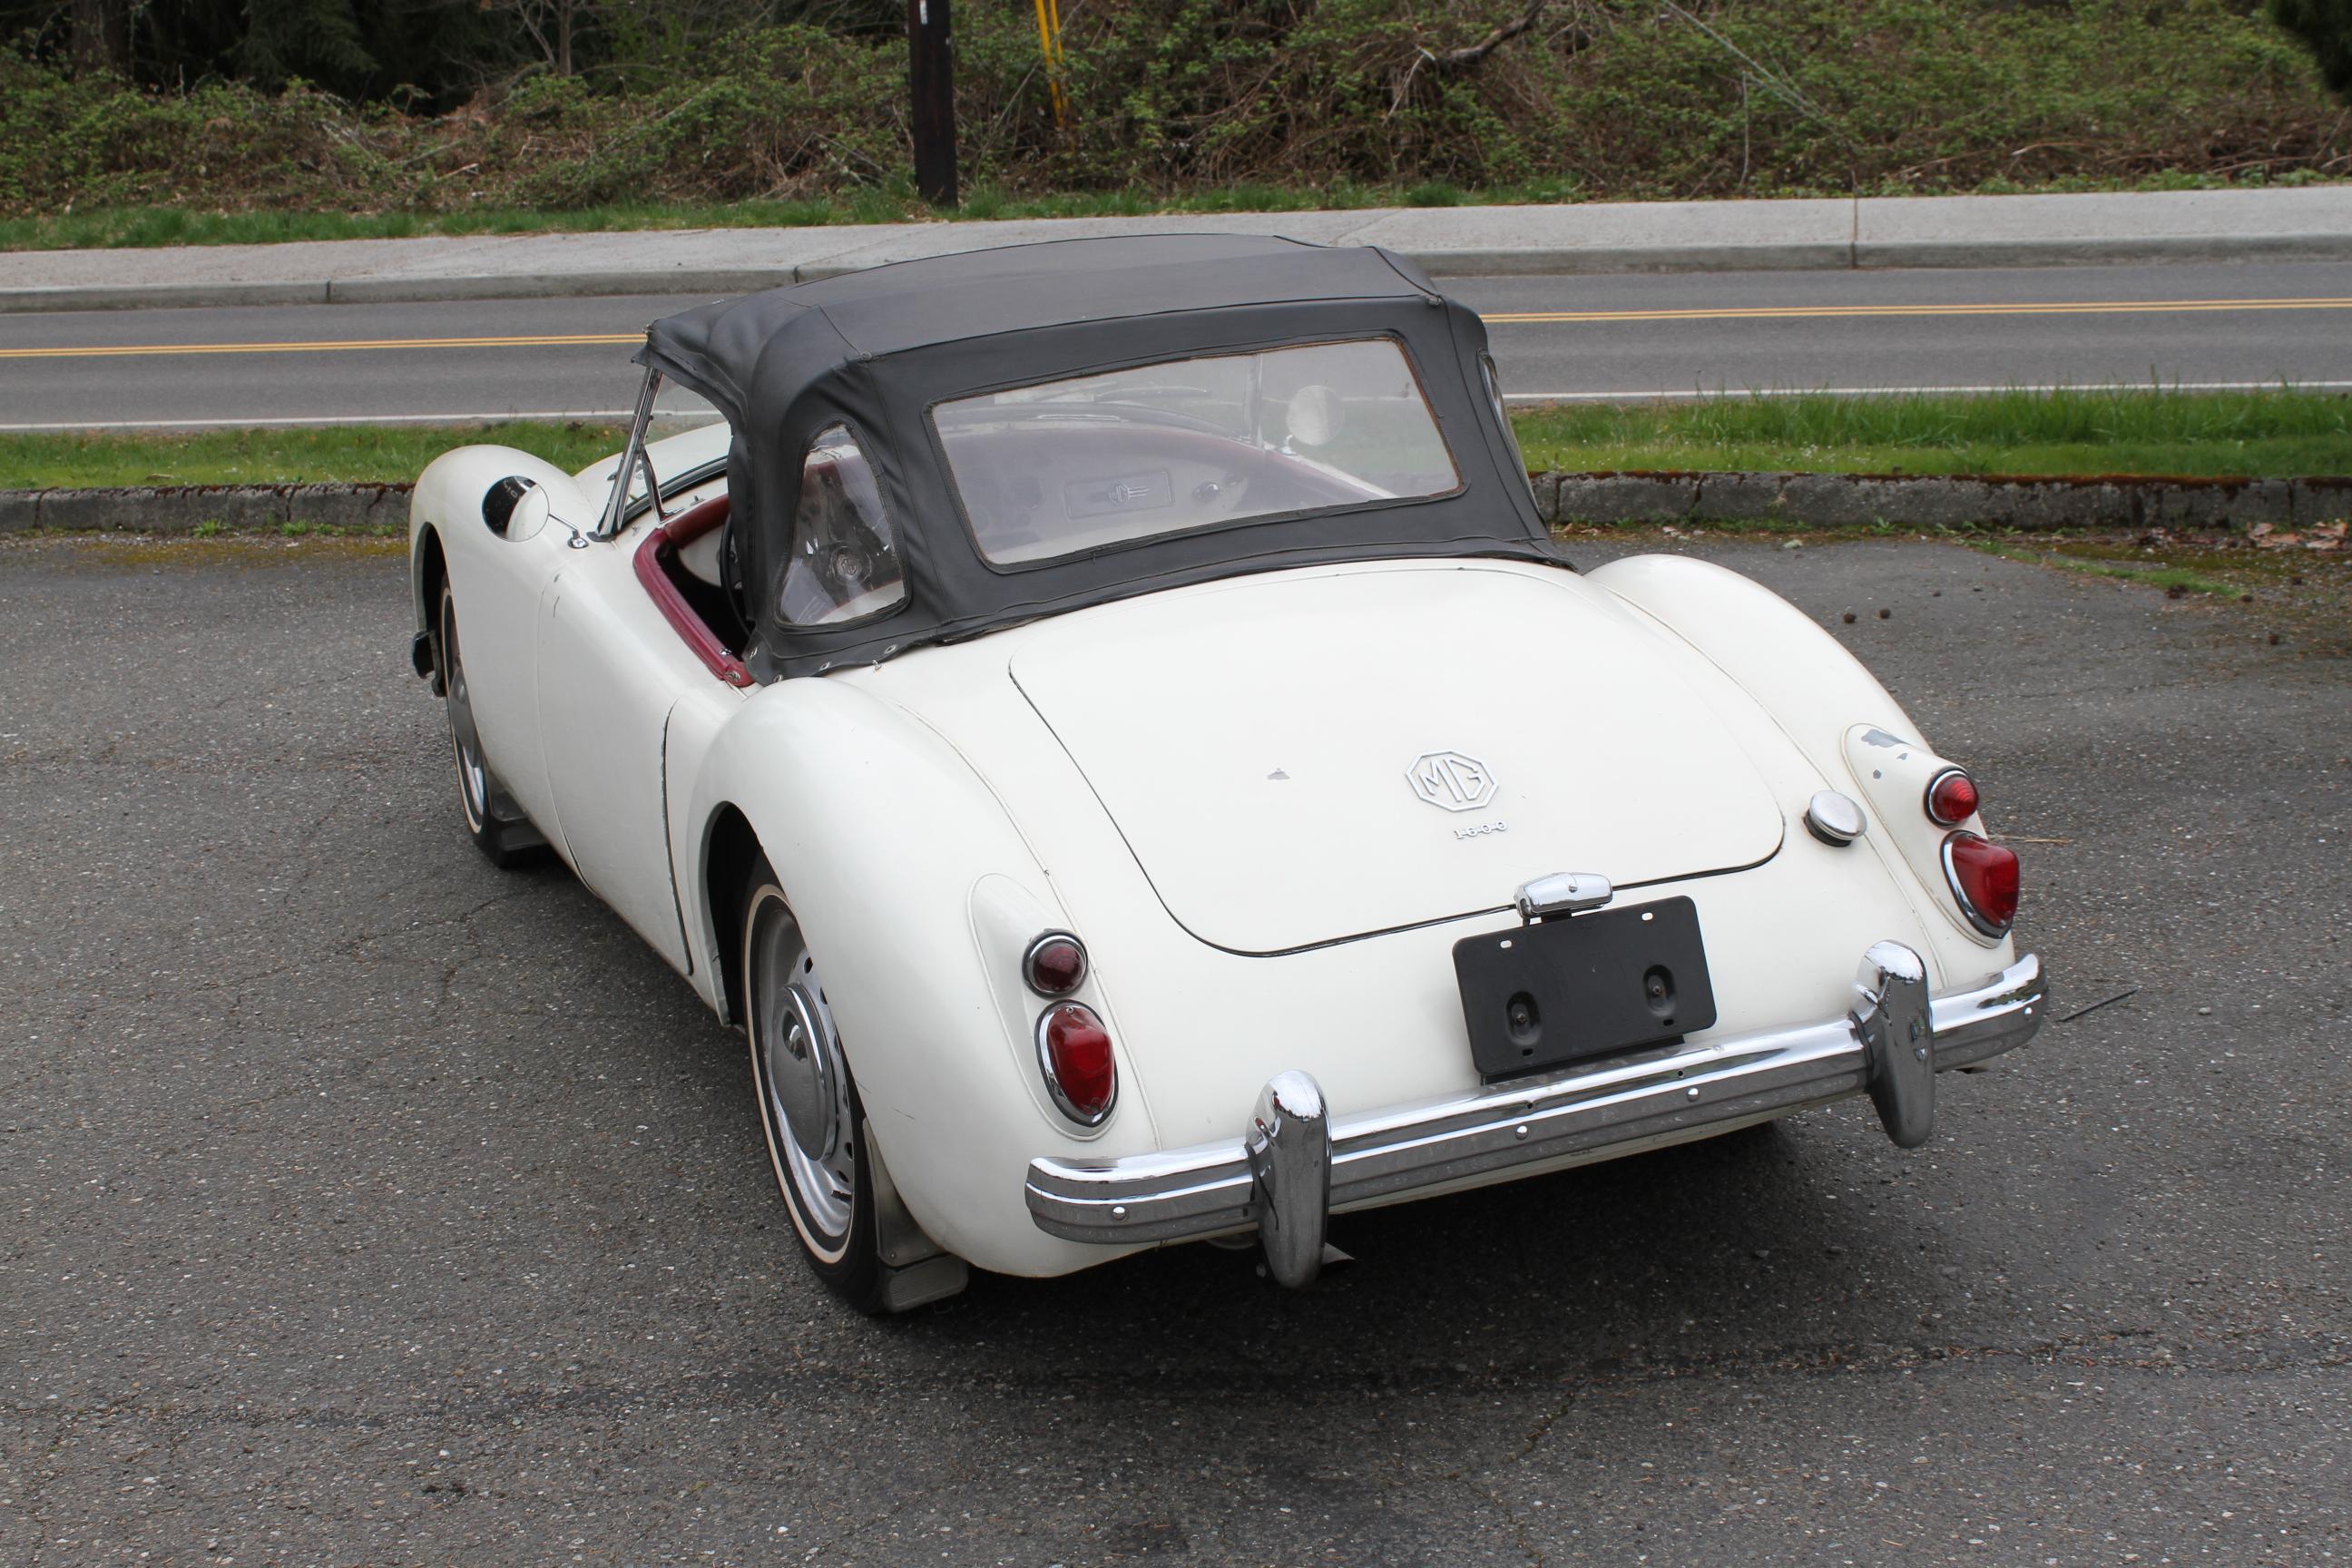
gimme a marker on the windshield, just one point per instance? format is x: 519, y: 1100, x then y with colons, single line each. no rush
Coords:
x: 1097, y: 460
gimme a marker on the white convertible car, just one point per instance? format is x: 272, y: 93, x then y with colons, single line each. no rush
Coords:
x: 1108, y: 721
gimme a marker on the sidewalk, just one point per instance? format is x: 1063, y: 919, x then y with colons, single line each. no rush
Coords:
x: 2308, y: 223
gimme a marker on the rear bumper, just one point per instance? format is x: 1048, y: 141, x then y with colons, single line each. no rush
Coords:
x: 1294, y: 1165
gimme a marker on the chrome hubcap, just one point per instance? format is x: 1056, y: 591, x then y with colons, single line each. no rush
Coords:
x: 800, y: 1074
x: 802, y: 1081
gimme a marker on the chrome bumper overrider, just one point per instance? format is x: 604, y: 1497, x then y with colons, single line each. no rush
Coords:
x: 1295, y: 1163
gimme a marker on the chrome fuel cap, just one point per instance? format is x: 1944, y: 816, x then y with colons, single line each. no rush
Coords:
x: 1835, y: 818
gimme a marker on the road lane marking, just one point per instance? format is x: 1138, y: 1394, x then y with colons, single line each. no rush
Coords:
x: 614, y: 415
x: 1804, y: 312
x: 1503, y: 318
x: 1692, y: 394
x: 352, y: 345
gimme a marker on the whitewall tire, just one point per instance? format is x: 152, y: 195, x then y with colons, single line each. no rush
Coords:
x: 809, y: 1111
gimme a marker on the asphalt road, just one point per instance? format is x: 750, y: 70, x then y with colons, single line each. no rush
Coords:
x: 1622, y: 335
x: 361, y: 1204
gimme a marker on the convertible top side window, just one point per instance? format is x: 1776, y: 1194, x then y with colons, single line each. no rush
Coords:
x: 842, y: 561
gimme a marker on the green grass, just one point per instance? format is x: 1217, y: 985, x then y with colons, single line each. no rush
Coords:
x: 2267, y: 434
x: 2176, y: 581
x: 2270, y: 433
x: 133, y: 227
x: 122, y: 227
x: 130, y: 228
x: 358, y: 454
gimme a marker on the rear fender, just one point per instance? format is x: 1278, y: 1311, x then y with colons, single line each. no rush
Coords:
x: 913, y: 888
x: 1799, y: 674
x: 1825, y: 701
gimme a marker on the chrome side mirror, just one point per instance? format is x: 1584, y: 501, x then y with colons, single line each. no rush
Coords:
x: 501, y: 501
x: 532, y: 514
x: 516, y: 508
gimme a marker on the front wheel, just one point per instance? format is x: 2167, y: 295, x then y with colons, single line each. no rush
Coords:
x: 497, y: 826
x: 809, y: 1108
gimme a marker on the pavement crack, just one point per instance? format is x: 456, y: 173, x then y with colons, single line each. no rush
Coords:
x: 840, y: 1541
x: 462, y: 918
x: 311, y: 864
x: 1511, y: 1516
x: 41, y: 1479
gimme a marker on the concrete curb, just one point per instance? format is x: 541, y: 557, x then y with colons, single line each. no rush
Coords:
x: 2073, y: 252
x: 1933, y: 500
x: 185, y: 508
x: 1797, y: 500
x: 1466, y: 262
x: 405, y: 290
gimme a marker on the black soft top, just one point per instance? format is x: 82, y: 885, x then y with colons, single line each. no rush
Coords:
x: 875, y: 350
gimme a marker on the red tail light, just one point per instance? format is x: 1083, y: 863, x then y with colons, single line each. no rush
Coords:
x: 1951, y: 797
x: 1055, y: 965
x: 1074, y: 1049
x: 1984, y: 879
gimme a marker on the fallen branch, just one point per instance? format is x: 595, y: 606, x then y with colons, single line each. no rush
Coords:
x: 1462, y: 59
x: 1455, y: 59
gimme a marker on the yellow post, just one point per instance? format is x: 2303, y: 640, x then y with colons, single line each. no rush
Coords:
x: 1049, y: 45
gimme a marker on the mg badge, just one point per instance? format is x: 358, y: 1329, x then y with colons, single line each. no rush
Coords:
x: 1451, y: 781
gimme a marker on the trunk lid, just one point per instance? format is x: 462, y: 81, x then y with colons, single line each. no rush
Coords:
x: 1300, y: 759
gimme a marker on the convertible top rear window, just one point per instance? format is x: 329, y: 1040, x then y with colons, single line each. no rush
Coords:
x: 1089, y: 462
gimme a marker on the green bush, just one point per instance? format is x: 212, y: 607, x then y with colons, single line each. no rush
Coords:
x: 1601, y: 99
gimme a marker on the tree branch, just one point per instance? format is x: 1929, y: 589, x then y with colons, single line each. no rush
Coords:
x: 1458, y: 59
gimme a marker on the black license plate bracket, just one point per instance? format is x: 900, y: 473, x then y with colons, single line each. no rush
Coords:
x: 1569, y: 988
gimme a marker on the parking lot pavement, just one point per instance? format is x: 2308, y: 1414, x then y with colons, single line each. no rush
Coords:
x: 359, y: 1204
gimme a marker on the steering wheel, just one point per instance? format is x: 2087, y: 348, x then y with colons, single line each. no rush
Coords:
x: 733, y: 590
x: 850, y: 557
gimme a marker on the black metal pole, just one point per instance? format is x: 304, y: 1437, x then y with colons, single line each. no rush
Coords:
x: 931, y: 72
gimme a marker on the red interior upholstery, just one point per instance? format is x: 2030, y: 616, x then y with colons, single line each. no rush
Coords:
x: 656, y: 559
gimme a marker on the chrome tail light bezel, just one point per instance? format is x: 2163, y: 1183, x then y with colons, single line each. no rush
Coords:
x: 1070, y: 1109
x: 1969, y: 910
x: 1927, y: 796
x: 1029, y: 965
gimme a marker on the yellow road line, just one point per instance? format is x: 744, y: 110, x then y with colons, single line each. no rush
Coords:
x: 1510, y: 318
x: 562, y: 340
x: 1801, y: 312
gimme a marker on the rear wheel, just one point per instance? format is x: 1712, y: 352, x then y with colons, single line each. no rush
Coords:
x: 497, y: 826
x: 809, y: 1108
